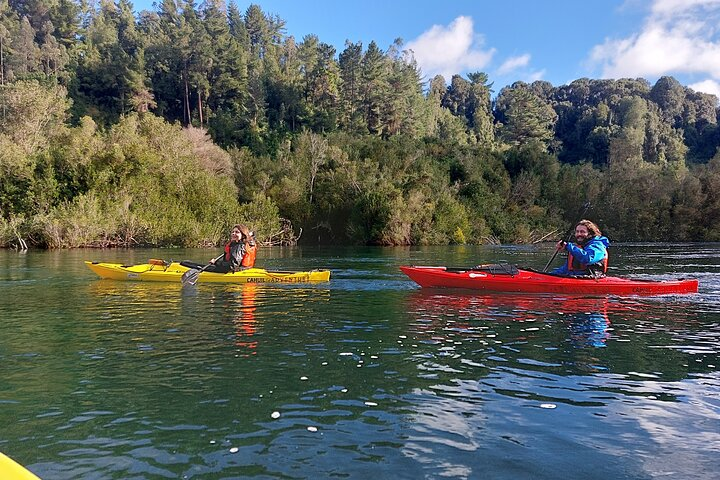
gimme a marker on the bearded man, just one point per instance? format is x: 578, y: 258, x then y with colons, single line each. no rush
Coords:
x: 588, y: 255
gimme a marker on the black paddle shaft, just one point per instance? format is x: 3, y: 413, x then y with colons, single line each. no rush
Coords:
x: 569, y: 235
x: 191, y: 276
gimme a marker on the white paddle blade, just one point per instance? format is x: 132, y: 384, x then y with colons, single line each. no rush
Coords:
x: 190, y: 277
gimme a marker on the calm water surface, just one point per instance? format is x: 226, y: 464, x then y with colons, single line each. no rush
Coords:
x: 367, y: 376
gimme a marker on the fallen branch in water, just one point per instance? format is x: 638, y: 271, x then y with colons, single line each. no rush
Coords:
x: 545, y: 236
x: 286, y: 236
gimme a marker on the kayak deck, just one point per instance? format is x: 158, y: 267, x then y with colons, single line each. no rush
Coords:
x: 516, y: 280
x: 172, y: 272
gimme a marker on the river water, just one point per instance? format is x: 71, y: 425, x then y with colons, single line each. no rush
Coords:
x: 366, y: 376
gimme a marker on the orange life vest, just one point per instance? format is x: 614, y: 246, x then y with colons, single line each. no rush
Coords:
x: 575, y: 265
x: 229, y: 251
x: 248, y: 259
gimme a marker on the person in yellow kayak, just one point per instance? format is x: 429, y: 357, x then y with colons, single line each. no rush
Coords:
x: 588, y: 255
x: 239, y: 253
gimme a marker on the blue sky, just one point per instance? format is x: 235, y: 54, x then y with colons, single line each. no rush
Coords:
x: 554, y: 40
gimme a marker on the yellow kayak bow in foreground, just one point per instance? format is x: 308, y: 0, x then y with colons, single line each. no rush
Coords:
x: 11, y: 470
x: 159, y: 271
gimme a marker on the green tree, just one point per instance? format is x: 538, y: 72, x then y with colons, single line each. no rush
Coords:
x: 285, y: 95
x: 669, y: 95
x: 437, y: 89
x: 33, y: 113
x: 457, y: 98
x: 524, y: 116
x: 405, y: 103
x: 374, y: 89
x: 197, y: 59
x: 320, y: 83
x: 482, y: 119
x: 350, y: 63
x: 25, y: 59
x: 227, y: 74
x: 111, y: 75
x: 65, y: 18
x: 236, y: 23
x: 168, y: 36
x: 8, y: 25
x: 626, y: 145
x: 709, y: 177
x: 52, y: 53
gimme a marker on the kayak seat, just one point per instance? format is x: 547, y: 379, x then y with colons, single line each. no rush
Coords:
x: 497, y: 268
x: 491, y: 268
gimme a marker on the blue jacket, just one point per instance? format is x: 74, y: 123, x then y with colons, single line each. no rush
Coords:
x: 593, y: 252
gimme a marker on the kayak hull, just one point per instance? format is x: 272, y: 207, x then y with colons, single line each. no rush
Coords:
x: 151, y: 272
x: 529, y: 281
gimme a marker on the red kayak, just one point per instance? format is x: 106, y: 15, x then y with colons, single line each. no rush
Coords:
x: 508, y: 278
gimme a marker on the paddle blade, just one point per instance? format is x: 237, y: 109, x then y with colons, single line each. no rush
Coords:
x: 190, y: 277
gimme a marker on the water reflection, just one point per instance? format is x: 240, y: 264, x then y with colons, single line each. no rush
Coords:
x: 370, y: 378
x: 245, y: 321
x: 206, y: 318
x: 587, y: 320
x: 248, y: 309
x: 590, y: 329
x: 137, y: 293
x: 526, y: 362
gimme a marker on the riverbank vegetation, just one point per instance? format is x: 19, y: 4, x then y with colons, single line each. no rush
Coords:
x: 166, y: 127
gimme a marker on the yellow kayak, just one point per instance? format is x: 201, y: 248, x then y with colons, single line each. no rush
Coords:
x: 11, y: 470
x: 159, y: 271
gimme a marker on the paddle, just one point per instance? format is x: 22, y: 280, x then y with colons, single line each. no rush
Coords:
x: 569, y: 235
x: 191, y: 276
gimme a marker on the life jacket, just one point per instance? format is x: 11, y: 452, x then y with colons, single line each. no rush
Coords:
x: 237, y: 251
x: 248, y: 259
x: 575, y: 265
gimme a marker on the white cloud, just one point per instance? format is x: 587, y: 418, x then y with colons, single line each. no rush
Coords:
x: 672, y: 7
x: 678, y: 37
x: 513, y: 63
x: 451, y: 49
x: 536, y: 75
x: 707, y: 86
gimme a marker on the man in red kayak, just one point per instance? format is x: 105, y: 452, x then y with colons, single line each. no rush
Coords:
x: 588, y: 255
